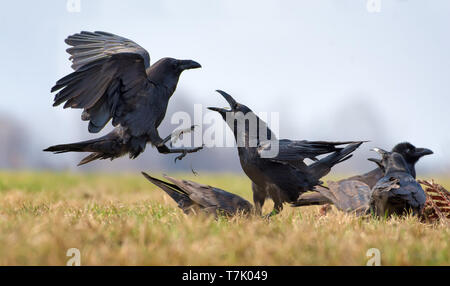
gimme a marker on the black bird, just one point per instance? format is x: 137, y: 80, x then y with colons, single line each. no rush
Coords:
x: 410, y: 153
x: 113, y: 79
x: 397, y: 192
x: 193, y: 197
x: 285, y: 176
x: 349, y: 196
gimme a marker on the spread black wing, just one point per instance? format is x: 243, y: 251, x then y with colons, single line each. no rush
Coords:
x: 109, y: 81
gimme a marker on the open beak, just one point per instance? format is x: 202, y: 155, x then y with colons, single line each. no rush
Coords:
x: 189, y: 64
x: 376, y: 161
x: 379, y: 151
x: 230, y: 101
x: 423, y: 151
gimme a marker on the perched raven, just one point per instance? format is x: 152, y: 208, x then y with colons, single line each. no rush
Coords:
x: 284, y: 176
x: 397, y: 192
x: 113, y: 79
x: 193, y: 197
x: 410, y: 153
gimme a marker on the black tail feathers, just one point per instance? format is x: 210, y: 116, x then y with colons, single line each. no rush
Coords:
x: 107, y: 147
x: 324, y: 165
x: 72, y: 147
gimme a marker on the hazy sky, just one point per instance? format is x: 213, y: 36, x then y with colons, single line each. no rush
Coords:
x: 327, y: 66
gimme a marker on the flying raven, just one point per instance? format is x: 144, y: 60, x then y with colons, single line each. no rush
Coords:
x: 193, y: 197
x: 284, y: 176
x: 113, y: 79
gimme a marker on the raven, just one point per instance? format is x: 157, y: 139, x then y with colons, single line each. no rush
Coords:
x: 348, y: 196
x: 285, y: 176
x: 192, y: 197
x: 397, y: 192
x: 410, y: 153
x: 113, y: 79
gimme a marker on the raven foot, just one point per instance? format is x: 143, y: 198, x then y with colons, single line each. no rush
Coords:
x: 271, y: 214
x: 184, y: 152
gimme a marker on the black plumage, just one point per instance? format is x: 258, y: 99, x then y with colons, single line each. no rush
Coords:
x: 397, y: 192
x: 348, y: 196
x: 113, y: 79
x: 410, y: 153
x: 193, y: 197
x: 285, y: 175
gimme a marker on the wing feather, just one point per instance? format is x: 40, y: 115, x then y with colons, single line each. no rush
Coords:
x: 109, y: 81
x: 291, y: 150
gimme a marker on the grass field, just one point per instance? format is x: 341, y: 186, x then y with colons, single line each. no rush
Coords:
x: 124, y: 220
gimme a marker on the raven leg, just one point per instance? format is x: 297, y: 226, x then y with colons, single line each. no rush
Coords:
x: 184, y: 151
x: 162, y: 148
x: 259, y: 197
x: 274, y: 193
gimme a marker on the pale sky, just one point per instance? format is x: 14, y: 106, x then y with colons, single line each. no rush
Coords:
x: 332, y: 69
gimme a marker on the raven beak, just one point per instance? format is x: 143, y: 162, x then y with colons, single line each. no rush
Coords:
x: 220, y: 110
x: 379, y: 151
x: 228, y: 98
x: 376, y: 161
x: 230, y: 101
x: 188, y: 64
x: 422, y: 152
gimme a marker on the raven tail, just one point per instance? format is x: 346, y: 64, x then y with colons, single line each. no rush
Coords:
x: 109, y: 146
x: 323, y: 166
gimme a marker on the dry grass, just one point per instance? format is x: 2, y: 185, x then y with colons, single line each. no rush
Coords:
x: 124, y: 220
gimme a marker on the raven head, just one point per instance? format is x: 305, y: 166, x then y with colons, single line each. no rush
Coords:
x: 171, y: 66
x: 411, y: 153
x: 392, y: 161
x: 167, y: 71
x: 243, y: 121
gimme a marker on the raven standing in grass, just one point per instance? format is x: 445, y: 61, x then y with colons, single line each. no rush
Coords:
x: 410, y: 153
x: 397, y: 192
x: 113, y: 79
x: 193, y: 197
x: 285, y: 176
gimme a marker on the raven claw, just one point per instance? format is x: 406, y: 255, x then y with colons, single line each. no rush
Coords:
x: 185, y: 152
x: 269, y: 215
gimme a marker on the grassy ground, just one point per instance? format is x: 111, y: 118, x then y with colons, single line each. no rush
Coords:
x: 124, y: 220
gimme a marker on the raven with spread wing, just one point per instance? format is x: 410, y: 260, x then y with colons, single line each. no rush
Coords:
x: 113, y: 79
